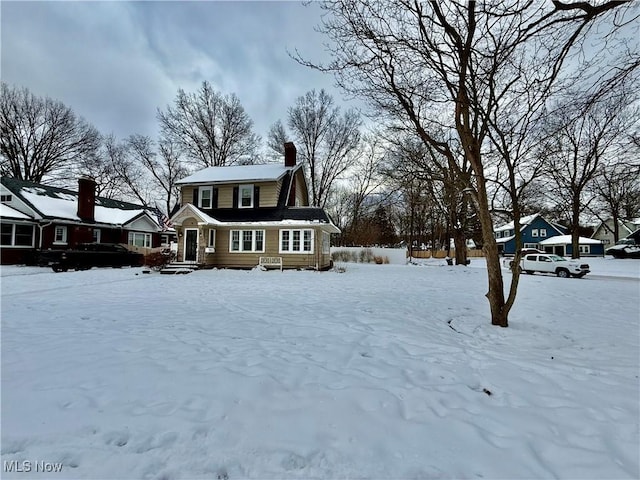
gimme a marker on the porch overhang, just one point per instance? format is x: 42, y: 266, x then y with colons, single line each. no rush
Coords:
x: 190, y: 211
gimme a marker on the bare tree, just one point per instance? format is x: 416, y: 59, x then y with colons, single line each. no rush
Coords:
x: 124, y: 160
x: 326, y: 139
x: 162, y: 166
x: 363, y: 180
x: 212, y: 129
x: 450, y: 67
x: 586, y: 142
x: 41, y: 137
x: 618, y: 192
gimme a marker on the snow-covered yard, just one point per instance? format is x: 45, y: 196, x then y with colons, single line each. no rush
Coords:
x: 384, y: 371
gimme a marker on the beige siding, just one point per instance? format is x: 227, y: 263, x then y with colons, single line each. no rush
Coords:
x: 224, y: 259
x: 186, y: 195
x: 225, y: 196
x: 302, y: 196
x: 268, y: 194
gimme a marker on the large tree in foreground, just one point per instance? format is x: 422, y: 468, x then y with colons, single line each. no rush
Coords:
x: 41, y: 138
x: 211, y: 129
x: 450, y: 67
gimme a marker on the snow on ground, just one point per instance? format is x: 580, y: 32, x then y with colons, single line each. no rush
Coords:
x: 384, y: 371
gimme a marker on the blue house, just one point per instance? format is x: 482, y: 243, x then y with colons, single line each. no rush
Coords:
x: 543, y: 235
x: 561, y: 245
x: 534, y: 229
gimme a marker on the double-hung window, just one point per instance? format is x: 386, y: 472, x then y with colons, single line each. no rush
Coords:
x: 534, y: 232
x: 246, y: 241
x: 543, y: 232
x: 245, y: 196
x: 296, y: 241
x: 205, y: 197
x: 60, y: 234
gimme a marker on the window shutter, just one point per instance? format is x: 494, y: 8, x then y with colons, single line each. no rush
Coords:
x: 256, y: 196
x: 236, y: 192
x: 214, y: 200
x: 195, y: 196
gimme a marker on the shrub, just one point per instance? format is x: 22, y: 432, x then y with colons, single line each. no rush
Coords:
x: 380, y: 260
x: 157, y: 260
x: 344, y: 256
x: 366, y: 255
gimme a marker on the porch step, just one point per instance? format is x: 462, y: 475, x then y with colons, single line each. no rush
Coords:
x: 177, y: 268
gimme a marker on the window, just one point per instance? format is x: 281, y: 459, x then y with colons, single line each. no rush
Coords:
x: 284, y: 240
x: 6, y: 237
x: 246, y: 241
x: 60, y: 234
x: 584, y: 248
x: 326, y: 243
x: 5, y: 198
x: 205, y: 196
x: 296, y: 241
x: 245, y: 196
x: 530, y: 245
x: 14, y: 235
x: 534, y: 232
x: 260, y: 240
x: 23, y: 236
x: 140, y: 239
x: 543, y: 232
x: 96, y: 235
x: 212, y: 238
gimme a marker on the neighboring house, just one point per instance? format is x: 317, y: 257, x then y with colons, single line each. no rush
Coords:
x: 233, y: 216
x: 604, y: 231
x: 534, y: 229
x: 561, y: 245
x: 635, y: 235
x: 37, y: 217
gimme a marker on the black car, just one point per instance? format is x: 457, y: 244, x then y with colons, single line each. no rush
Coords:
x: 624, y: 251
x: 87, y: 255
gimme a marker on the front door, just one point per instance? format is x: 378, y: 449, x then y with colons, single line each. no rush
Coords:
x: 190, y: 244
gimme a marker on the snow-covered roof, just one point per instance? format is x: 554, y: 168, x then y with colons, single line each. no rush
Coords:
x: 566, y: 239
x: 504, y: 239
x: 238, y: 173
x: 8, y: 212
x: 65, y: 206
x: 188, y: 210
x: 523, y: 222
x: 57, y: 203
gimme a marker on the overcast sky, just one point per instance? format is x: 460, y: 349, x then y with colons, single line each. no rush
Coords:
x: 115, y: 63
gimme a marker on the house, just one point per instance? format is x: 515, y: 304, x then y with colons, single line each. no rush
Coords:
x: 534, y: 229
x: 242, y: 216
x: 37, y: 217
x: 604, y: 231
x: 561, y: 245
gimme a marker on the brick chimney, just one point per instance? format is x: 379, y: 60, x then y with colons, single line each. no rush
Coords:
x: 289, y: 154
x: 86, y: 199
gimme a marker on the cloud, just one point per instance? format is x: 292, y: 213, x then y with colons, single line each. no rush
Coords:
x: 115, y: 63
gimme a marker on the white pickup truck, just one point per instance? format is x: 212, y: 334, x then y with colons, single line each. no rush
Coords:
x: 549, y: 263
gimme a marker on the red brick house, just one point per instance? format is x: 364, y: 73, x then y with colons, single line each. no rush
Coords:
x: 40, y: 217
